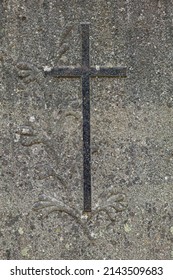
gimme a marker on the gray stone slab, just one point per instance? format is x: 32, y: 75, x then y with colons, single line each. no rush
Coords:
x: 41, y: 145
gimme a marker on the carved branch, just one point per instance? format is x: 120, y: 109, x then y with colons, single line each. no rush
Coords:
x: 113, y: 204
x: 66, y: 32
x: 28, y: 72
x: 51, y: 204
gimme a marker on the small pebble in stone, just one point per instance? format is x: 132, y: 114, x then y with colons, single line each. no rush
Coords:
x: 24, y: 251
x: 127, y: 228
x: 20, y: 231
x: 32, y: 119
x: 67, y: 246
x: 47, y: 68
x: 17, y: 138
x: 171, y: 229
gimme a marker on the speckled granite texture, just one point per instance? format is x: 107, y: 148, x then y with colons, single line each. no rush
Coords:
x: 41, y: 195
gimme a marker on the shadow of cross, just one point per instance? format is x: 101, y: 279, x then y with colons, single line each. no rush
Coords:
x: 85, y: 72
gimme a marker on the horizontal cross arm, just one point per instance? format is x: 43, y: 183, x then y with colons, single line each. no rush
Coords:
x: 73, y: 72
x: 108, y: 72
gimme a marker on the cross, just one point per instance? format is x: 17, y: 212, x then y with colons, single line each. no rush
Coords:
x: 85, y: 72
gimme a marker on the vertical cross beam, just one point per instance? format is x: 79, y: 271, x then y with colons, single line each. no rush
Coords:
x: 86, y: 119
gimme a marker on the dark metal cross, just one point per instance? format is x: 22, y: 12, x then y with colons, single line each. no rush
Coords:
x: 85, y: 72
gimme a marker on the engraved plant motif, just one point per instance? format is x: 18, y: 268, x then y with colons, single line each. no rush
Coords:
x: 29, y: 137
x: 63, y: 45
x: 113, y: 204
x: 110, y: 201
x: 30, y: 73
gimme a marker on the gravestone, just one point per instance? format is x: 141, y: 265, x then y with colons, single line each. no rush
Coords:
x: 77, y: 130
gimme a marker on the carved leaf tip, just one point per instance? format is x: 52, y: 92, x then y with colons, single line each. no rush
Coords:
x: 67, y: 30
x: 27, y: 72
x: 43, y: 197
x: 64, y: 48
x: 26, y: 130
x: 44, y: 201
x: 24, y: 65
x: 115, y: 203
x: 36, y: 206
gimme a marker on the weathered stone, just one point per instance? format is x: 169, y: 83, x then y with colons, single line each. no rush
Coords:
x: 41, y: 198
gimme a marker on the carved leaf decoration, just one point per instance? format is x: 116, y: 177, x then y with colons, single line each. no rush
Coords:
x: 52, y: 204
x: 112, y: 205
x: 26, y: 130
x: 66, y: 32
x: 28, y: 72
x: 63, y: 45
x: 28, y: 136
x: 115, y: 203
x: 110, y: 202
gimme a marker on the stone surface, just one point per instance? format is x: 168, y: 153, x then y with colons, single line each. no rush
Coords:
x: 41, y: 131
